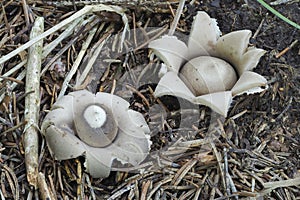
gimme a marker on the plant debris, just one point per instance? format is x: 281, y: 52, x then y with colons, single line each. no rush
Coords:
x: 195, y: 154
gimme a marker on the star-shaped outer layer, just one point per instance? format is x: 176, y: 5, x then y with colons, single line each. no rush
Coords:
x: 131, y: 145
x: 205, y: 40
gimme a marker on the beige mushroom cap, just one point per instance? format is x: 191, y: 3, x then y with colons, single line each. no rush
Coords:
x: 131, y: 144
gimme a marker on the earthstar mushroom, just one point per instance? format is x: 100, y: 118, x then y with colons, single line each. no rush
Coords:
x: 100, y: 127
x: 211, y: 69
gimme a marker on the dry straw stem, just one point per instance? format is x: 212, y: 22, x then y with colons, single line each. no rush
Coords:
x: 49, y: 47
x: 176, y: 18
x: 46, y: 50
x: 43, y: 187
x: 67, y: 32
x: 32, y: 102
x: 270, y: 186
x: 12, y: 180
x: 79, y: 14
x: 98, y: 47
x: 77, y: 62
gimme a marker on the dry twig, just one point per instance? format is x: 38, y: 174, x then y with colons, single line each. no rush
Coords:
x: 32, y: 103
x: 43, y: 187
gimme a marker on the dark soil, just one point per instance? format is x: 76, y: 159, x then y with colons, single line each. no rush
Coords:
x: 258, y: 143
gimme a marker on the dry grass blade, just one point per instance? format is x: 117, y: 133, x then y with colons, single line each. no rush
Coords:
x: 82, y: 12
x: 12, y: 79
x: 272, y: 186
x: 20, y: 77
x: 117, y: 194
x: 13, y: 181
x: 177, y: 17
x: 98, y: 48
x: 145, y: 188
x: 15, y: 127
x: 220, y: 163
x: 47, y: 48
x: 32, y: 103
x: 77, y: 62
x: 158, y: 185
x: 24, y: 4
x: 139, y: 94
x: 183, y: 171
x: 68, y: 31
x: 284, y: 183
x: 45, y: 34
x: 43, y: 188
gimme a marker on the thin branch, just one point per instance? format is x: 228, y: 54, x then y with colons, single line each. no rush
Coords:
x: 32, y: 103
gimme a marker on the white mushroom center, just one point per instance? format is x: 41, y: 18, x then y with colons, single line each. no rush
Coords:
x: 95, y: 116
x: 206, y: 74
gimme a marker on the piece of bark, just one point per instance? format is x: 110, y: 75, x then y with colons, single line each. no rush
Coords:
x: 32, y: 103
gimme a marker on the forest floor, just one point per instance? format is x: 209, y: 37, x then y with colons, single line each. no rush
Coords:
x: 255, y: 150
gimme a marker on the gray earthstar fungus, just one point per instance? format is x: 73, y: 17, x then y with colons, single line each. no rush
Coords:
x: 100, y: 127
x: 211, y: 69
